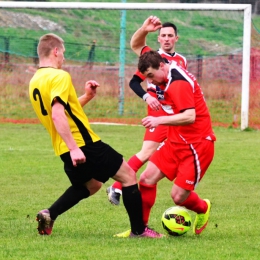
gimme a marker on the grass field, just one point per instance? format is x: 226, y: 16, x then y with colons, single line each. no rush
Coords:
x: 32, y: 178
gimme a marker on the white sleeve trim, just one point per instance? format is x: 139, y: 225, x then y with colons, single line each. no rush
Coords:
x: 145, y: 96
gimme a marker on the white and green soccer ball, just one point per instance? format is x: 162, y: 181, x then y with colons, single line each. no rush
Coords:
x: 176, y: 221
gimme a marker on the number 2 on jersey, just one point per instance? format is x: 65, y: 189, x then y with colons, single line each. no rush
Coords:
x: 35, y: 93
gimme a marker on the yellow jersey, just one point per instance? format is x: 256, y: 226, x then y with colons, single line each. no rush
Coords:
x: 48, y: 84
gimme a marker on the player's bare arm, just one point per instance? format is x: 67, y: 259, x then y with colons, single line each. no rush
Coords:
x: 151, y: 24
x: 90, y: 92
x: 185, y: 118
x: 62, y: 126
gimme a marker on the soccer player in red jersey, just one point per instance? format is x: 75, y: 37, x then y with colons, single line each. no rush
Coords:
x: 189, y: 149
x: 167, y: 38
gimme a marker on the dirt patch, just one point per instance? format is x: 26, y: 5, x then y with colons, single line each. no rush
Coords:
x: 30, y: 22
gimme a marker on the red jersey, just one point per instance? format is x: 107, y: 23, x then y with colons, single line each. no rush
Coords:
x: 183, y: 92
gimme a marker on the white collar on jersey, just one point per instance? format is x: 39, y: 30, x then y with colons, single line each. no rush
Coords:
x: 160, y: 51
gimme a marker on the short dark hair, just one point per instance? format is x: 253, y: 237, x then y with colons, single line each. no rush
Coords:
x: 168, y: 24
x: 149, y: 59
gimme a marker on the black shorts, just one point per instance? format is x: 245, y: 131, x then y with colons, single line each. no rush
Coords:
x: 102, y: 163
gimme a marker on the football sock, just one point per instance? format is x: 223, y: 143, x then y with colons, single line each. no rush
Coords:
x: 195, y: 203
x: 135, y: 164
x: 133, y: 204
x: 117, y: 185
x: 148, y: 193
x: 67, y: 200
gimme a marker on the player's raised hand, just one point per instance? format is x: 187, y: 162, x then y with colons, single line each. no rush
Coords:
x: 152, y: 24
x: 90, y: 92
x: 91, y: 88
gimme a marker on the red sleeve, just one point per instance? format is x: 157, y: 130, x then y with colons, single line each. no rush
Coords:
x: 140, y: 75
x: 181, y: 93
x: 145, y: 49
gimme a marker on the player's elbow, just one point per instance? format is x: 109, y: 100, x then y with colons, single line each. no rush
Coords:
x: 135, y: 81
x: 136, y: 47
x: 132, y: 83
x: 132, y: 44
x: 137, y: 51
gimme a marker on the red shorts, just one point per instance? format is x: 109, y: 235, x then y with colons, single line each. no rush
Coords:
x: 186, y: 163
x: 157, y: 134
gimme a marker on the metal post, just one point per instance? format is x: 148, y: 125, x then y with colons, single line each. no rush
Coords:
x: 35, y: 54
x: 7, y: 44
x: 121, y: 82
x: 246, y: 68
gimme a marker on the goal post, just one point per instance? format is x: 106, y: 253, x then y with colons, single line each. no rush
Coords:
x: 171, y: 7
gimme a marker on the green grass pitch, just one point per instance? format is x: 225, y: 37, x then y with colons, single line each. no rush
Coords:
x: 32, y: 178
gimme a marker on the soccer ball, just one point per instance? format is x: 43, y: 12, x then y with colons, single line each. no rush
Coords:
x: 176, y: 221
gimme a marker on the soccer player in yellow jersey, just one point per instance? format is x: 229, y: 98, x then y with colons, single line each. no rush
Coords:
x: 88, y: 162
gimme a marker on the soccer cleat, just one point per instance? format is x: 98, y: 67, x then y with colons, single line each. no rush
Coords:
x: 148, y: 232
x: 123, y: 234
x: 201, y: 220
x: 114, y: 195
x: 45, y: 223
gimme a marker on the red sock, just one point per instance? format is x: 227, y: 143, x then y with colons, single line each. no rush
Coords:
x: 148, y: 193
x: 117, y: 185
x: 135, y: 164
x: 195, y: 203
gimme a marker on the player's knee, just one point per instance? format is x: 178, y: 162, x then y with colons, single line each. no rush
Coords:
x: 128, y: 178
x: 177, y: 198
x: 94, y: 187
x: 146, y: 178
x: 143, y: 178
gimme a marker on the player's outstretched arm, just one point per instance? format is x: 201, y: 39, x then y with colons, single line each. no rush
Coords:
x: 62, y: 126
x: 90, y: 92
x: 151, y: 24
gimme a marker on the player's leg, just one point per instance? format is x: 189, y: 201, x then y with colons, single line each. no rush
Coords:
x: 72, y: 196
x: 191, y: 201
x: 81, y: 188
x: 67, y: 200
x: 161, y: 164
x: 136, y: 162
x: 148, y: 182
x: 197, y: 160
x: 132, y: 201
x: 148, y: 187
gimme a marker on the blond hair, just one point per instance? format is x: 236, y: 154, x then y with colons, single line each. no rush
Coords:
x: 47, y: 43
